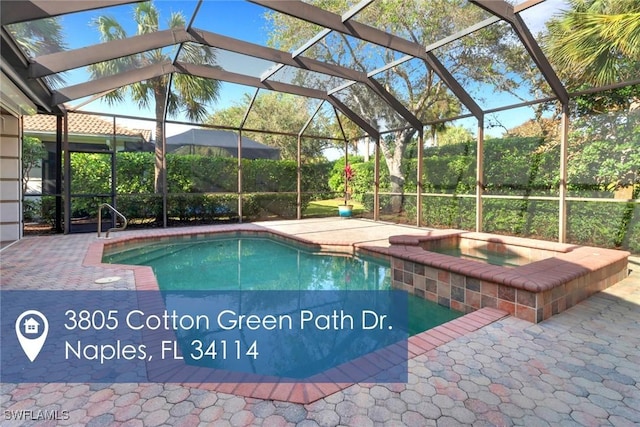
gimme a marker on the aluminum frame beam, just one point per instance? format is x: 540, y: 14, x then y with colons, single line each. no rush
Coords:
x: 506, y: 11
x: 363, y: 124
x: 129, y: 77
x: 105, y: 84
x: 14, y: 64
x: 15, y: 11
x: 324, y: 18
x: 63, y: 61
x: 456, y: 36
x: 321, y: 34
x: 301, y: 62
x: 218, y: 74
x: 270, y: 54
x: 228, y: 76
x: 433, y: 46
x: 394, y: 103
x: 312, y: 41
x: 249, y: 107
x: 454, y: 85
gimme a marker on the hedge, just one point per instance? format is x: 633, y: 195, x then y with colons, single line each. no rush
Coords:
x: 513, y: 166
x: 192, y: 184
x: 203, y: 188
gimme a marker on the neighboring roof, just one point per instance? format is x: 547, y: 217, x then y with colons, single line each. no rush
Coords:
x: 82, y: 124
x: 215, y: 138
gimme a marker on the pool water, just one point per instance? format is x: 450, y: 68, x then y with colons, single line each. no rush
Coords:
x: 261, y: 264
x: 488, y: 257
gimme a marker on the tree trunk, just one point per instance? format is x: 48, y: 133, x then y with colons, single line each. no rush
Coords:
x: 367, y: 148
x: 393, y: 154
x: 160, y: 99
x: 159, y: 175
x: 397, y: 183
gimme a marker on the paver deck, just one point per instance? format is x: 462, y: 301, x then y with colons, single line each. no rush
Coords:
x: 578, y: 368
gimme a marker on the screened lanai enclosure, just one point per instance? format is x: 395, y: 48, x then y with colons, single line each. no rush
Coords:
x: 484, y: 115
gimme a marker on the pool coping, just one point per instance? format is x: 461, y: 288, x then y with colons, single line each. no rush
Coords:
x: 297, y: 392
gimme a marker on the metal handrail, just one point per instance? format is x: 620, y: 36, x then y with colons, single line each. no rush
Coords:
x: 115, y: 211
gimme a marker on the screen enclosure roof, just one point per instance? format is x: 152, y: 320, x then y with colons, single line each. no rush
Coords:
x: 338, y: 56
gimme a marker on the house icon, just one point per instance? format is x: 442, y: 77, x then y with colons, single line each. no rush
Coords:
x: 31, y: 326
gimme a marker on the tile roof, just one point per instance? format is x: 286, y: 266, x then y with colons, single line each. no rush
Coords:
x: 84, y: 124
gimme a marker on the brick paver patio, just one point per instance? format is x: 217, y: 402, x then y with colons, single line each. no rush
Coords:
x: 580, y: 367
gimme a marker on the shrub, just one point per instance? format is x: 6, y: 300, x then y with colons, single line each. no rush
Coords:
x: 528, y: 218
x: 315, y: 180
x: 449, y: 212
x: 598, y: 223
x: 138, y: 208
x: 31, y: 210
x: 202, y: 207
x: 48, y: 206
x: 283, y: 205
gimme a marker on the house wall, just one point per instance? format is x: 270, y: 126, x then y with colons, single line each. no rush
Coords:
x: 10, y: 174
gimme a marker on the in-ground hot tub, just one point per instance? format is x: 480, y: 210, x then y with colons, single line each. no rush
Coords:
x: 490, y: 251
x: 530, y: 279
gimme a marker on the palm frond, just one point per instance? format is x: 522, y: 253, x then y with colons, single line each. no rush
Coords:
x: 115, y: 97
x: 109, y: 28
x: 146, y: 16
x: 141, y: 94
x: 195, y: 93
x: 39, y: 37
x: 177, y: 20
x: 195, y: 53
x: 595, y: 47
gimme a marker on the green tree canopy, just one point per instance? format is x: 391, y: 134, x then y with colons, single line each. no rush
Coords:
x: 33, y: 152
x: 453, y: 135
x: 278, y: 112
x: 40, y: 37
x: 596, y: 42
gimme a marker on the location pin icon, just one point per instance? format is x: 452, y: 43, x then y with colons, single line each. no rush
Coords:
x: 32, y: 328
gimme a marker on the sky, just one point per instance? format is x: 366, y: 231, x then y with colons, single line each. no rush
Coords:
x: 236, y: 19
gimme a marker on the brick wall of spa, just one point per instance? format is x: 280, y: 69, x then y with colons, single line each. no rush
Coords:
x: 467, y: 294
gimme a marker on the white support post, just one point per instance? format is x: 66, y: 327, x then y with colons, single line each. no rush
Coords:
x: 299, y: 178
x: 240, y: 175
x: 420, y: 178
x: 376, y: 182
x: 562, y: 208
x: 479, y: 173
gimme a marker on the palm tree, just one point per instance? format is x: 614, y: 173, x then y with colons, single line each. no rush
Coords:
x: 597, y: 41
x: 189, y: 95
x: 40, y: 37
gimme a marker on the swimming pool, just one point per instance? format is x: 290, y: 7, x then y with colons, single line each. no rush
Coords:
x: 231, y: 263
